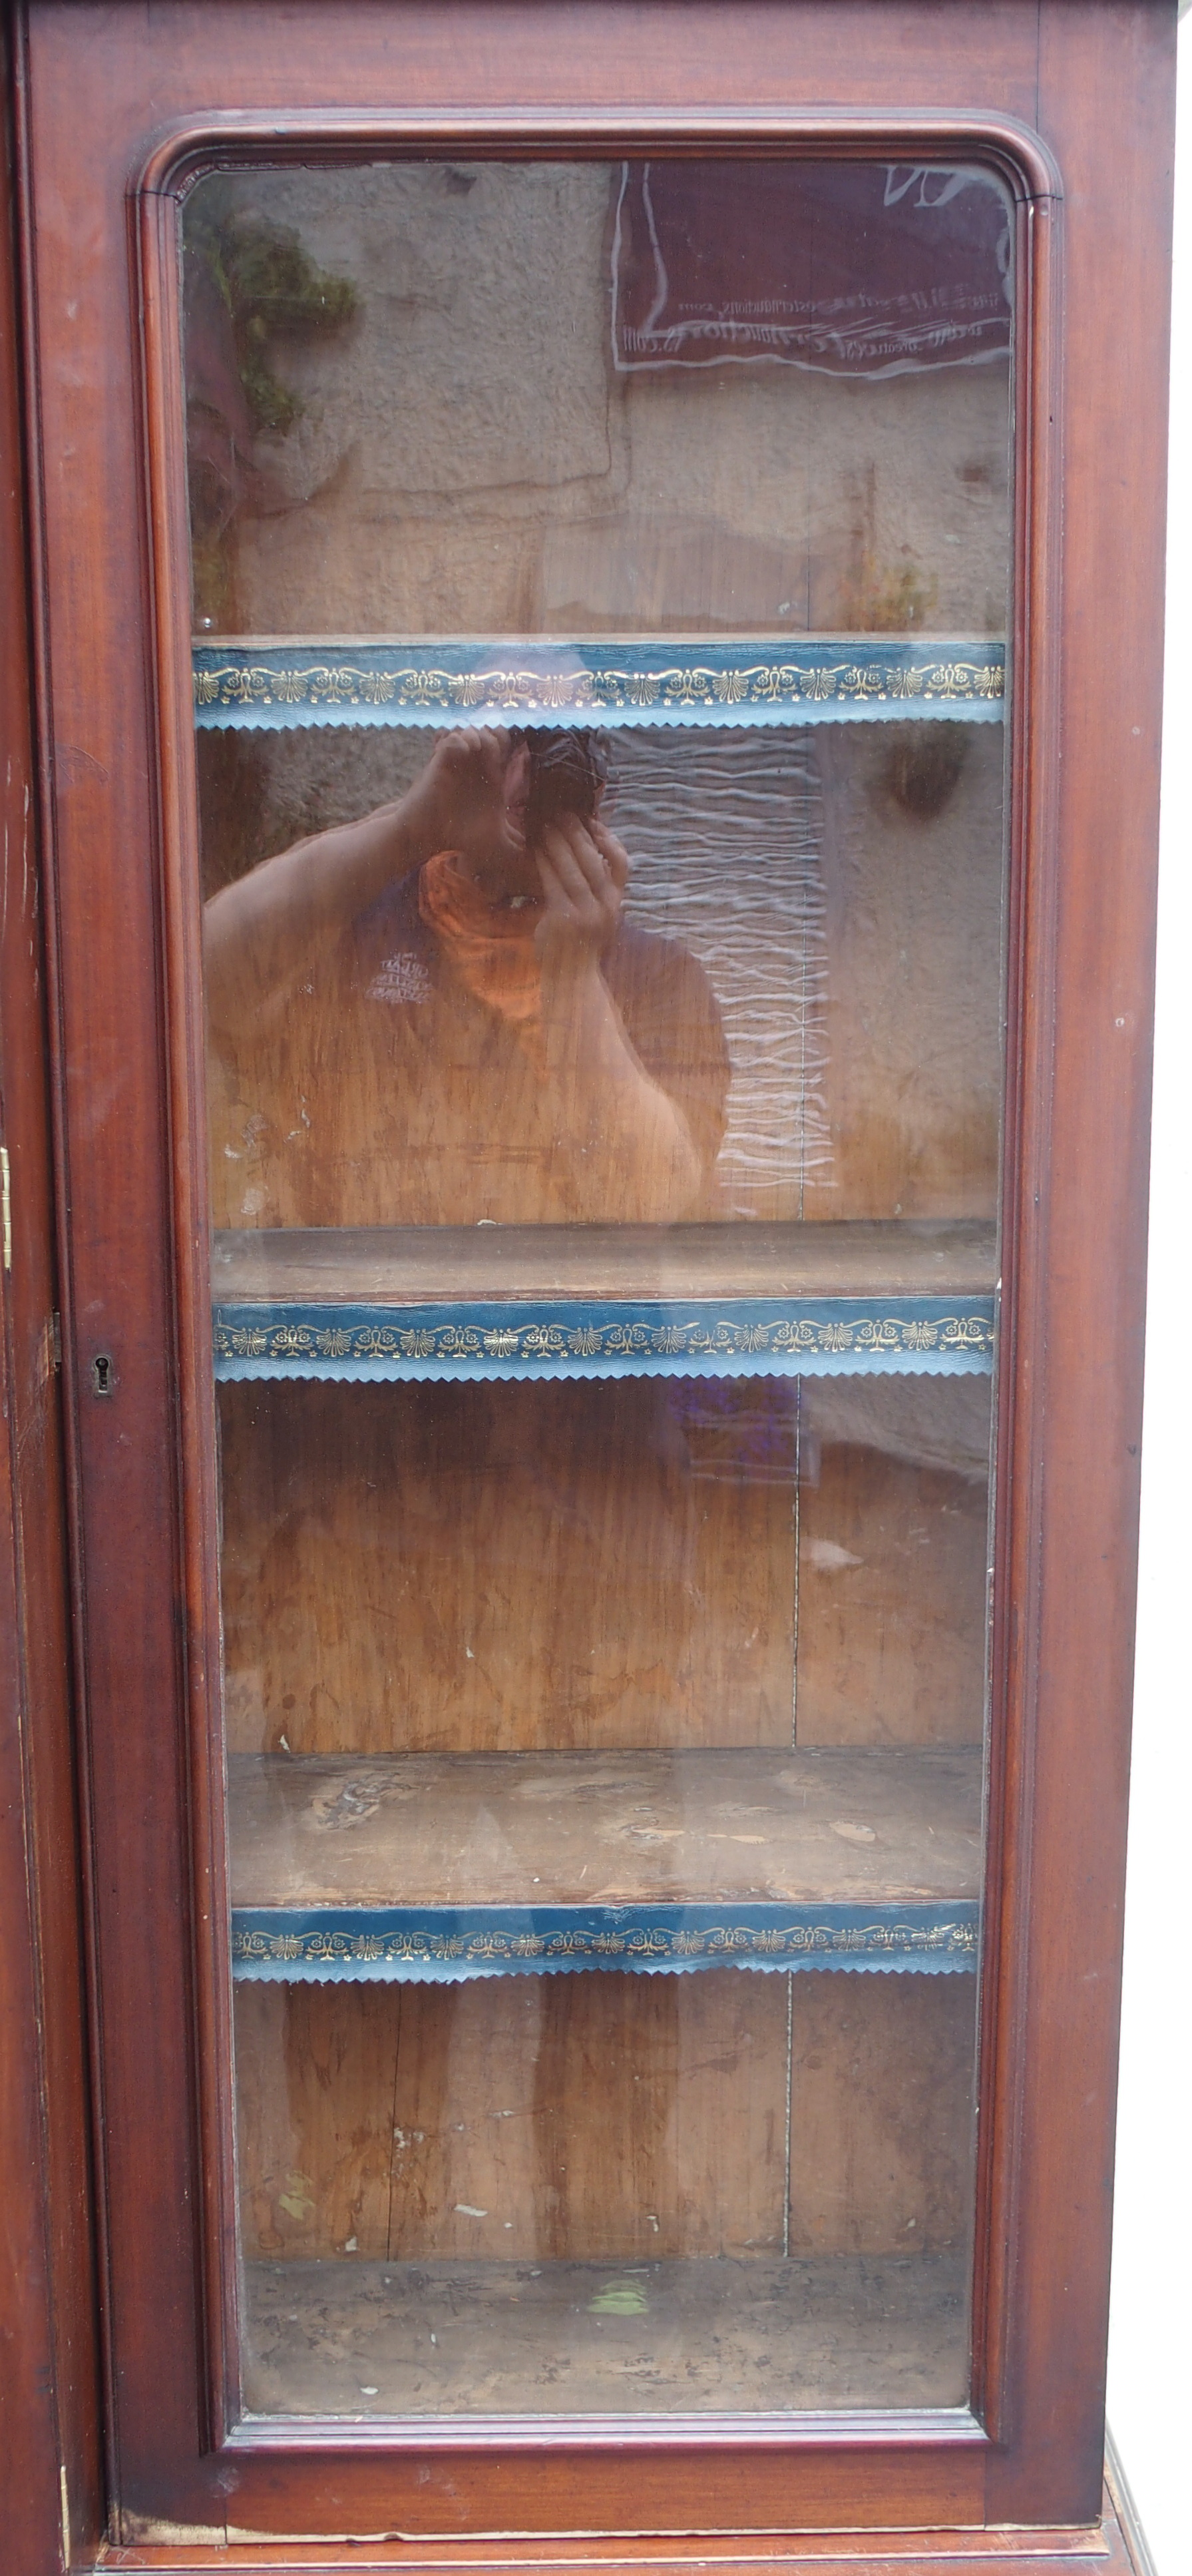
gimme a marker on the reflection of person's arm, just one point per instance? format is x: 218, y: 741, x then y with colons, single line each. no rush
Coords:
x: 260, y: 931
x: 631, y: 1155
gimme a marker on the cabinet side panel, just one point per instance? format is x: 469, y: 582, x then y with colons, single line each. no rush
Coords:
x: 1081, y: 1221
x: 49, y: 2371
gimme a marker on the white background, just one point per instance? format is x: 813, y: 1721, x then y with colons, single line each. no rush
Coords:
x: 1151, y: 2317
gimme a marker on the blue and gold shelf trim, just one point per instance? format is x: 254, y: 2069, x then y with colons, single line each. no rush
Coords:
x: 427, y: 1946
x: 824, y: 1337
x: 257, y: 683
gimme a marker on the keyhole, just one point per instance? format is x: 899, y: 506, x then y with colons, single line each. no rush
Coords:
x: 102, y: 1374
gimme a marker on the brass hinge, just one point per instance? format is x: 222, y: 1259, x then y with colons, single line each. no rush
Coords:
x: 6, y: 1206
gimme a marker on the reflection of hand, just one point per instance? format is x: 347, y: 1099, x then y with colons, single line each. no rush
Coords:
x: 584, y: 871
x: 472, y: 797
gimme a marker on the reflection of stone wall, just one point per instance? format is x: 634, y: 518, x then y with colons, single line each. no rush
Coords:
x: 468, y: 461
x: 913, y: 929
x: 260, y: 792
x: 932, y: 1421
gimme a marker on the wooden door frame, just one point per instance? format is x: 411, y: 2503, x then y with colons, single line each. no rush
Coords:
x: 120, y: 845
x: 49, y: 2361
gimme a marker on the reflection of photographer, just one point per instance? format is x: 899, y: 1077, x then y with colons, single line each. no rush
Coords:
x: 439, y: 1014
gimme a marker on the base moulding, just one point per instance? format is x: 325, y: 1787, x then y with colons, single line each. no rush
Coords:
x: 1100, y: 2550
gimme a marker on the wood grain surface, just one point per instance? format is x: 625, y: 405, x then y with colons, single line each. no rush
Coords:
x: 892, y: 1601
x: 458, y: 2121
x: 493, y: 1568
x: 578, y: 1829
x: 103, y: 84
x: 499, y: 2339
x: 51, y: 2480
x: 499, y: 1568
x: 1082, y: 952
x: 882, y: 2132
x: 493, y: 2114
x: 399, y: 1265
x: 1087, y: 2549
x: 740, y: 2114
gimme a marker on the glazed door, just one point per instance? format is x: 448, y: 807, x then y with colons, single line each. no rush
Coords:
x: 556, y: 1328
x: 600, y: 583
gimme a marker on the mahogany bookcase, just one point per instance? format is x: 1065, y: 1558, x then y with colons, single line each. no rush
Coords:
x: 574, y: 1197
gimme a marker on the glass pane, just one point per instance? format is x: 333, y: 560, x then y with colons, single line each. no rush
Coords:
x: 600, y: 598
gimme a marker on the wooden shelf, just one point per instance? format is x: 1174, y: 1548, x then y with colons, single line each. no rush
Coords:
x: 365, y: 2339
x: 270, y: 682
x: 597, y: 1301
x: 448, y: 1866
x: 609, y: 1829
x: 414, y: 1265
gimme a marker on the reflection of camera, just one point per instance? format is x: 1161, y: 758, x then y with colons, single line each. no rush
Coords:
x: 568, y: 773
